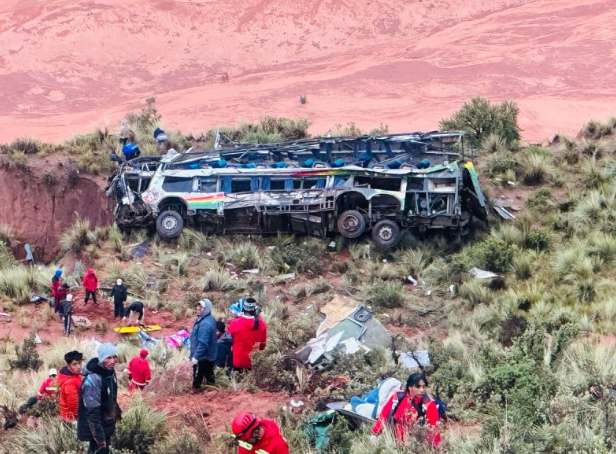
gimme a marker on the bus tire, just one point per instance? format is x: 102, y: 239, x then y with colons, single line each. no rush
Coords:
x: 385, y: 233
x: 169, y: 224
x: 351, y: 224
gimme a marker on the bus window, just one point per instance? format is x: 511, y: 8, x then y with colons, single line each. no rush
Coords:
x: 240, y: 185
x: 207, y: 185
x: 314, y: 183
x: 266, y: 184
x: 177, y: 184
x: 279, y: 185
x: 386, y: 184
x: 340, y: 180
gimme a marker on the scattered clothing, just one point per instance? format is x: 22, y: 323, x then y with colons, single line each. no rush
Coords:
x: 246, y: 339
x: 130, y: 151
x: 98, y: 407
x: 90, y: 283
x: 69, y: 384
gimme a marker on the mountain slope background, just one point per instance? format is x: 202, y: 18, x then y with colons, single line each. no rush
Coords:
x: 67, y: 66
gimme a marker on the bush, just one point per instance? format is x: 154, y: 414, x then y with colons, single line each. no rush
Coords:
x: 540, y: 200
x: 26, y: 145
x: 480, y: 119
x: 493, y: 144
x: 492, y: 254
x: 540, y: 239
x: 501, y: 163
x: 388, y: 294
x: 181, y: 443
x: 218, y: 279
x: 303, y: 256
x: 140, y: 429
x: 536, y: 167
x: 51, y: 436
x: 49, y: 179
x: 76, y: 238
x: 27, y: 356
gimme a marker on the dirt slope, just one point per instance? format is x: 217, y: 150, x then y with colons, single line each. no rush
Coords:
x: 66, y: 65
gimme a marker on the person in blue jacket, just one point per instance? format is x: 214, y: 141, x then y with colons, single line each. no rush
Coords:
x: 130, y: 151
x: 203, y: 345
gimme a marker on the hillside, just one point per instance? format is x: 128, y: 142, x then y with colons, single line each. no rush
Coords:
x: 66, y: 66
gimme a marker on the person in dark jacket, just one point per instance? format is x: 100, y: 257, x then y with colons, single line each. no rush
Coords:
x: 203, y: 345
x: 225, y: 343
x: 135, y: 310
x: 62, y: 292
x: 98, y: 406
x: 119, y: 293
x: 67, y: 310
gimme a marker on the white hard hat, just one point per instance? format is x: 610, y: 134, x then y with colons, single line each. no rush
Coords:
x: 69, y: 297
x: 119, y: 282
x: 52, y: 371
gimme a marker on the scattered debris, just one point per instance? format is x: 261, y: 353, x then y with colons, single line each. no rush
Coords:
x: 348, y: 327
x: 37, y: 298
x: 284, y: 277
x: 412, y: 280
x: 482, y: 274
x: 140, y: 250
x: 81, y: 322
x: 253, y: 271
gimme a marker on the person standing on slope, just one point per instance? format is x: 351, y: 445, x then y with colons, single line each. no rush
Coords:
x: 256, y: 435
x: 203, y: 345
x: 69, y: 380
x: 90, y: 283
x: 98, y: 404
x: 249, y: 332
x: 119, y: 293
x: 67, y: 311
x: 56, y: 283
x: 139, y: 371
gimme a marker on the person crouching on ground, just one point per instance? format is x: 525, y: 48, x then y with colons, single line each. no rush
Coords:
x: 256, y: 435
x: 405, y: 409
x: 49, y: 387
x: 90, y: 283
x: 69, y: 381
x: 203, y: 345
x: 139, y: 372
x: 98, y: 405
x: 135, y: 310
x: 249, y: 332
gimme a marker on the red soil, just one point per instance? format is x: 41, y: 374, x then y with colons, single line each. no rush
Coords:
x: 65, y: 66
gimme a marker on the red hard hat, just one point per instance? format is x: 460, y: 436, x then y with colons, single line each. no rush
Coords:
x: 243, y: 425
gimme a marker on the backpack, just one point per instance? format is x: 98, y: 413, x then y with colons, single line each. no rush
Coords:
x: 440, y: 405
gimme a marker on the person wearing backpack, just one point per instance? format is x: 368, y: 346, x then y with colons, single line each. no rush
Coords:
x: 412, y: 406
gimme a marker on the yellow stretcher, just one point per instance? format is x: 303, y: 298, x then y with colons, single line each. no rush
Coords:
x: 136, y: 328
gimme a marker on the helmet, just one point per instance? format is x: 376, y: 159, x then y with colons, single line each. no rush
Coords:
x: 243, y: 424
x: 250, y: 304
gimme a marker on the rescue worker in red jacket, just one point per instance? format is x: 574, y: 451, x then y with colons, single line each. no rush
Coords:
x: 69, y: 380
x: 249, y: 332
x: 56, y: 283
x: 256, y: 435
x: 90, y: 283
x: 49, y: 386
x: 139, y: 371
x: 415, y: 407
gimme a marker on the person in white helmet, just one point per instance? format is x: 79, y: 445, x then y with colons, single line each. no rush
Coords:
x: 49, y: 387
x: 119, y: 293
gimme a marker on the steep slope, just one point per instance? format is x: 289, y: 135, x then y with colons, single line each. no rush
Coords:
x: 65, y: 65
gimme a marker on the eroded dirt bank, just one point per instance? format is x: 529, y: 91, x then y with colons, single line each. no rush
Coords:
x: 39, y: 210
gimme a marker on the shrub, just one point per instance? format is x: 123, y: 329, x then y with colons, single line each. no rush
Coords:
x: 540, y: 239
x: 302, y: 256
x: 6, y: 233
x: 415, y: 260
x: 27, y: 356
x: 492, y: 254
x: 26, y: 145
x: 50, y: 436
x: 181, y: 443
x: 536, y: 167
x: 594, y: 176
x: 475, y: 292
x: 49, y: 179
x: 218, y: 279
x: 521, y: 264
x: 140, y: 429
x: 17, y: 283
x: 194, y: 241
x: 514, y: 326
x: 388, y: 294
x: 540, y: 200
x: 76, y: 238
x: 493, y: 144
x: 501, y: 163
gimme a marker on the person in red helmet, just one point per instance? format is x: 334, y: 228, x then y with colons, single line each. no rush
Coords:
x: 249, y: 333
x: 139, y: 371
x: 259, y: 436
x: 90, y: 283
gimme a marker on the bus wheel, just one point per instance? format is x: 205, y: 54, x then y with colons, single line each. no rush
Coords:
x: 351, y: 224
x: 386, y: 233
x: 169, y: 224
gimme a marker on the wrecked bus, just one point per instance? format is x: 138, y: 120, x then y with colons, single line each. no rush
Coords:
x: 383, y: 195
